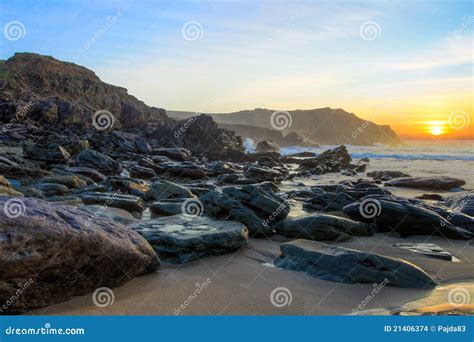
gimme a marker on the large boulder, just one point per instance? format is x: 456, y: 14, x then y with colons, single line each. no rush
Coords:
x: 183, y: 238
x: 427, y: 183
x: 322, y: 227
x: 346, y: 265
x: 99, y: 161
x: 404, y: 217
x: 60, y: 252
x: 267, y: 146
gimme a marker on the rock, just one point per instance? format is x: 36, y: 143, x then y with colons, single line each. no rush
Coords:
x: 70, y: 181
x: 7, y: 190
x: 322, y: 227
x: 141, y: 172
x: 84, y: 171
x: 267, y: 146
x: 386, y: 175
x: 98, y: 161
x: 332, y: 160
x: 428, y: 183
x: 463, y: 203
x: 66, y: 255
x: 428, y: 249
x: 180, y: 239
x: 263, y: 174
x: 328, y: 201
x: 115, y: 214
x: 225, y: 208
x: 184, y: 170
x: 52, y: 153
x: 127, y: 185
x: 235, y: 178
x: 431, y: 197
x: 52, y: 189
x: 130, y: 203
x: 179, y: 154
x: 167, y: 207
x: 164, y: 189
x: 404, y: 217
x: 346, y: 265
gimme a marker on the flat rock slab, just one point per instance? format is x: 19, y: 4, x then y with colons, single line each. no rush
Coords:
x: 427, y: 183
x: 130, y: 203
x: 322, y: 227
x: 180, y: 238
x: 59, y: 252
x: 346, y: 265
x: 428, y: 249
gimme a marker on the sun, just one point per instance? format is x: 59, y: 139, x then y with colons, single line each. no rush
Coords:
x: 436, y: 130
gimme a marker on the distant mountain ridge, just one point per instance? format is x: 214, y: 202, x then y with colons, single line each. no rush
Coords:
x: 325, y: 126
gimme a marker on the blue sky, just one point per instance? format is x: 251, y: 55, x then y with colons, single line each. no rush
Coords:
x: 273, y: 54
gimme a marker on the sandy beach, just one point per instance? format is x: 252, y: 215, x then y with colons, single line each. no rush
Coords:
x: 241, y: 284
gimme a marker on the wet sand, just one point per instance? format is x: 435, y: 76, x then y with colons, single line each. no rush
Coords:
x: 241, y: 284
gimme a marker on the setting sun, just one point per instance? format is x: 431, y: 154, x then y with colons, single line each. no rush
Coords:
x: 436, y: 127
x: 436, y: 130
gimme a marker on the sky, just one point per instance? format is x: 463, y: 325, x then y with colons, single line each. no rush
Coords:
x: 408, y: 64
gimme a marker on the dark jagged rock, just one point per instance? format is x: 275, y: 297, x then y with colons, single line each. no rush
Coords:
x: 52, y: 189
x: 167, y: 207
x: 52, y: 153
x: 126, y: 185
x: 141, y: 172
x: 346, y: 265
x: 322, y: 227
x: 84, y: 171
x: 263, y: 174
x: 332, y: 160
x: 184, y: 170
x: 163, y: 189
x: 328, y: 201
x: 267, y: 146
x: 431, y: 197
x: 180, y: 239
x: 98, y: 161
x: 68, y: 254
x: 386, y: 175
x: 130, y: 203
x: 463, y: 203
x: 7, y: 190
x: 428, y: 183
x: 70, y: 181
x: 404, y: 217
x: 179, y: 154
